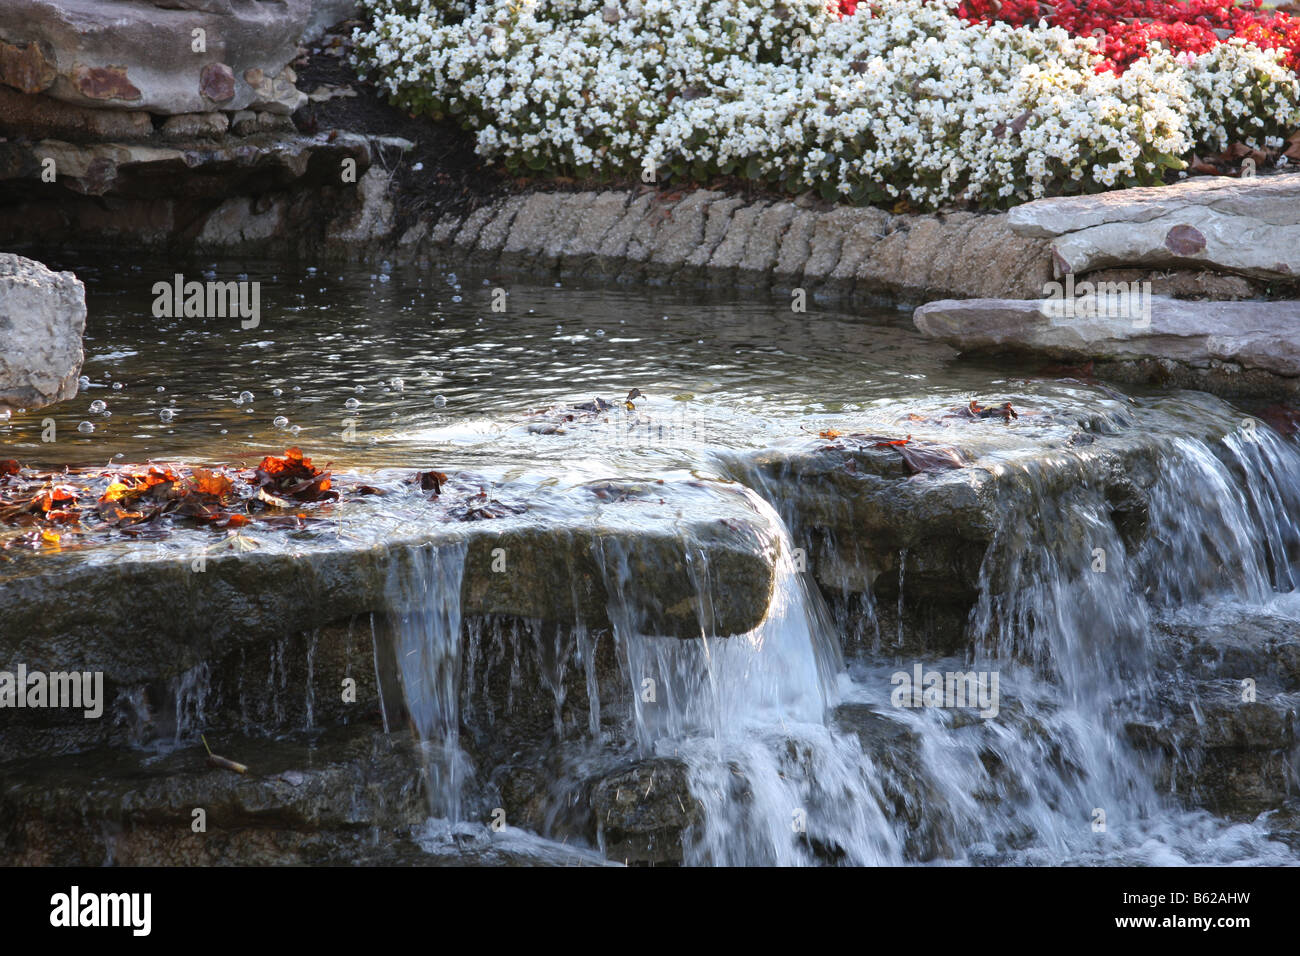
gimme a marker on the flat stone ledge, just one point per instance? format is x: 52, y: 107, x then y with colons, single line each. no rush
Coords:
x: 1250, y: 226
x: 1253, y: 335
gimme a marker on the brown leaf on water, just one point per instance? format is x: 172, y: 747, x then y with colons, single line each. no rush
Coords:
x: 293, y: 477
x: 890, y: 443
x: 9, y: 467
x: 430, y: 481
x: 930, y: 459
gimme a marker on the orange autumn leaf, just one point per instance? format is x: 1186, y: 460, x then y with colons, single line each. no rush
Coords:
x: 212, y: 483
x: 114, y: 492
x: 829, y: 434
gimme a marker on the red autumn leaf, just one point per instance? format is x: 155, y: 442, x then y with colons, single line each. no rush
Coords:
x: 9, y: 467
x: 49, y: 499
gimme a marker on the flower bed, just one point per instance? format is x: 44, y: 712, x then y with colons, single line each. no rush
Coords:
x: 903, y: 100
x: 1127, y: 28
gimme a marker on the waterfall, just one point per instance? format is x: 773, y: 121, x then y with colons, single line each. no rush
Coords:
x: 424, y: 632
x: 797, y: 758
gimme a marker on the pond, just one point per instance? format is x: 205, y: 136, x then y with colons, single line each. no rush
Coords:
x: 1103, y: 674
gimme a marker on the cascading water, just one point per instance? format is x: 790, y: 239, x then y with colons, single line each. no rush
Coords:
x: 425, y: 628
x: 747, y: 715
x: 782, y: 741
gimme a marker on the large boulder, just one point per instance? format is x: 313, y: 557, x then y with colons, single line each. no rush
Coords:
x: 42, y: 318
x: 1247, y: 226
x: 141, y: 55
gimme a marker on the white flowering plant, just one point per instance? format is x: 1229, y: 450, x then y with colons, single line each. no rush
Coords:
x: 903, y: 101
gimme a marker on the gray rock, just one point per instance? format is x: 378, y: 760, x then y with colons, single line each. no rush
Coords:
x: 796, y: 247
x: 716, y: 227
x: 470, y: 227
x: 862, y: 231
x: 1247, y: 226
x: 532, y: 228
x: 495, y: 232
x: 642, y: 813
x: 133, y: 54
x: 827, y: 241
x: 682, y: 233
x: 186, y: 126
x: 764, y: 244
x: 42, y: 117
x: 618, y: 236
x: 1253, y: 335
x: 373, y: 216
x: 42, y: 318
x: 730, y: 253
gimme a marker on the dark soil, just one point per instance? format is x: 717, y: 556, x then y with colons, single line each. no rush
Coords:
x: 451, y: 177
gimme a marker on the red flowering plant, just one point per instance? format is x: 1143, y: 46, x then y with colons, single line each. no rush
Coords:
x: 1127, y: 28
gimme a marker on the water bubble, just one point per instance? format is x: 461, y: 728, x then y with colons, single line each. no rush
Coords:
x: 5, y: 414
x: 117, y: 386
x: 455, y: 298
x: 167, y: 414
x: 295, y: 429
x: 85, y: 428
x: 451, y: 278
x: 439, y: 401
x: 97, y: 407
x: 83, y: 382
x: 161, y: 388
x: 360, y: 389
x: 351, y: 403
x: 557, y: 285
x: 280, y: 422
x: 397, y: 385
x: 276, y: 393
x: 118, y: 455
x: 600, y: 331
x: 297, y: 388
x: 108, y: 414
x: 245, y: 397
x: 224, y: 431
